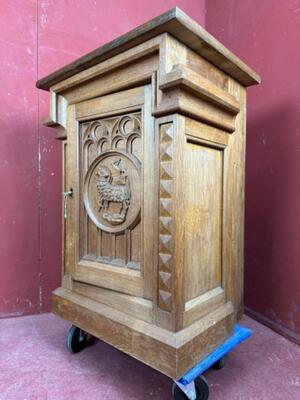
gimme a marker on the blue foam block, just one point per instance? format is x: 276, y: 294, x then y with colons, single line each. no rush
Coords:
x: 239, y: 335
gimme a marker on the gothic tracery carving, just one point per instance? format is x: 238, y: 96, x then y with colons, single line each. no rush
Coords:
x: 112, y: 182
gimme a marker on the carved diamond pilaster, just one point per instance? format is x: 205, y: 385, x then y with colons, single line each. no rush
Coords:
x: 166, y: 222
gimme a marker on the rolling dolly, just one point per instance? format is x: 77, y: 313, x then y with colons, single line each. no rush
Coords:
x: 193, y: 385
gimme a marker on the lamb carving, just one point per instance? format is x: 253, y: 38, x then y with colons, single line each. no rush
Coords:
x: 113, y: 189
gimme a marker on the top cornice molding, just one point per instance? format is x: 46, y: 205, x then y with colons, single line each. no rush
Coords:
x: 180, y: 26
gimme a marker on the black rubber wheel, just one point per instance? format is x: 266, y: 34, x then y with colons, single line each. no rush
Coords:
x: 76, y: 339
x: 202, y: 390
x: 220, y: 363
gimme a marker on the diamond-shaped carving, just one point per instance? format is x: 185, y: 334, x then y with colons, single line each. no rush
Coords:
x: 165, y: 300
x: 166, y: 134
x: 165, y: 280
x: 166, y: 188
x: 165, y: 261
x: 165, y: 242
x: 165, y: 225
x: 165, y: 207
x: 166, y: 171
x: 166, y: 152
x: 165, y: 269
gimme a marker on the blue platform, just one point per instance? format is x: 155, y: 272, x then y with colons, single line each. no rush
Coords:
x: 240, y: 334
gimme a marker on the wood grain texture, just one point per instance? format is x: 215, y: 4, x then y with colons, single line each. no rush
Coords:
x: 203, y: 186
x: 170, y: 353
x: 179, y: 25
x: 202, y: 305
x: 238, y: 201
x: 154, y: 153
x: 181, y: 75
x: 128, y: 304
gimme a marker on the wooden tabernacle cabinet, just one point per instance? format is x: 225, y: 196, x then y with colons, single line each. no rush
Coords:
x: 153, y: 133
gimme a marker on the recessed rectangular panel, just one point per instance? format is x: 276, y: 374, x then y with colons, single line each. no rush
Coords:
x: 110, y: 162
x: 202, y: 182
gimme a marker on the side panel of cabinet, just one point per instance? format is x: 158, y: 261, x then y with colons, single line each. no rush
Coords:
x: 206, y: 188
x: 203, y: 181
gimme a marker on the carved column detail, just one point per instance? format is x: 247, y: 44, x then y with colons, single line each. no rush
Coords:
x: 166, y: 239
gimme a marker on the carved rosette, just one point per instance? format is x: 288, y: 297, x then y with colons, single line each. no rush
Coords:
x: 165, y: 218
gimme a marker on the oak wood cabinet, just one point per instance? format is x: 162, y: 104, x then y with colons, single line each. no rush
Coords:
x: 153, y: 135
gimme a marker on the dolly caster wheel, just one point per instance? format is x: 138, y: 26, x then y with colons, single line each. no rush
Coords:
x: 201, y: 386
x: 76, y: 339
x: 220, y: 363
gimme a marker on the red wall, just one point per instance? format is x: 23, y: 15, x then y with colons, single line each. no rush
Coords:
x: 37, y: 37
x: 265, y: 34
x: 19, y: 205
x: 45, y: 35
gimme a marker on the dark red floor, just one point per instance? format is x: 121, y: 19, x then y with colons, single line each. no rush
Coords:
x: 35, y: 365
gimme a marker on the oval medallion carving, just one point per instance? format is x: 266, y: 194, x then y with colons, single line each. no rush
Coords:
x: 112, y: 191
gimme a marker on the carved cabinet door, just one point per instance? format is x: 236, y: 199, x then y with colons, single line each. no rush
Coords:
x: 109, y: 161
